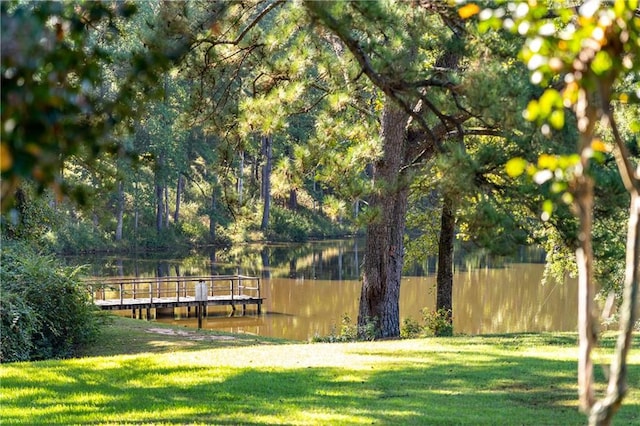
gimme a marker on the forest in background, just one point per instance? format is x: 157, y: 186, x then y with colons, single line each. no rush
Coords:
x: 263, y: 127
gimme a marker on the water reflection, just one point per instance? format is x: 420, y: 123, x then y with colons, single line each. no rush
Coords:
x: 309, y: 287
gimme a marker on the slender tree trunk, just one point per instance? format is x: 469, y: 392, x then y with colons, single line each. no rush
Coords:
x: 159, y: 207
x: 120, y: 267
x: 267, y: 142
x: 240, y: 177
x: 586, y: 292
x: 212, y: 217
x: 167, y: 214
x: 315, y: 204
x: 255, y: 173
x: 179, y: 188
x: 159, y: 193
x: 582, y: 190
x: 444, y: 279
x: 136, y: 214
x: 212, y: 261
x: 293, y: 200
x: 603, y: 410
x: 120, y: 212
x: 384, y: 253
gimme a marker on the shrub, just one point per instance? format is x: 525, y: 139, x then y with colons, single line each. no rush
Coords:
x: 19, y: 324
x: 438, y: 323
x: 46, y: 312
x: 348, y: 332
x: 287, y: 225
x: 369, y: 330
x: 411, y: 329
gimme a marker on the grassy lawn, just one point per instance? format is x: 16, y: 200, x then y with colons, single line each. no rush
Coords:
x: 145, y: 373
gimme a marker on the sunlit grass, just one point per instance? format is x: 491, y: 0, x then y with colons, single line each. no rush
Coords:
x: 523, y: 379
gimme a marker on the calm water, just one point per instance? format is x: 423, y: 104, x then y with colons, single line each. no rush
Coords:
x: 310, y: 287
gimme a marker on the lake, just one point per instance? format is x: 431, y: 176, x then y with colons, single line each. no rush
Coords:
x: 310, y: 287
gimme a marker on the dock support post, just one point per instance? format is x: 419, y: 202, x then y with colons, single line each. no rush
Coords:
x: 200, y: 310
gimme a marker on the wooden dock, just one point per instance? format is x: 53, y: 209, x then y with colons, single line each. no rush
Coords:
x: 124, y: 293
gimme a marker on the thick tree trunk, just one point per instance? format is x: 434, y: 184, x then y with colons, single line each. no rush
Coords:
x: 267, y: 142
x: 384, y: 253
x: 120, y: 212
x: 444, y: 278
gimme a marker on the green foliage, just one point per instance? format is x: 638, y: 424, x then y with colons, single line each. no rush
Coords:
x: 370, y: 329
x: 489, y: 225
x: 286, y: 225
x: 411, y: 329
x: 46, y: 312
x: 435, y: 323
x: 334, y: 208
x: 79, y: 237
x: 19, y: 323
x: 31, y: 220
x: 438, y: 323
x: 300, y: 225
x: 50, y: 76
x: 350, y: 332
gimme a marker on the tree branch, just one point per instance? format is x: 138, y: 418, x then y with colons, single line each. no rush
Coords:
x: 244, y: 32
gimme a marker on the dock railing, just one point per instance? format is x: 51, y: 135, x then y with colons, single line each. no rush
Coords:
x: 120, y: 290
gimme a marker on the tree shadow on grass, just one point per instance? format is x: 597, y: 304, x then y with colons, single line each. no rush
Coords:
x: 441, y: 389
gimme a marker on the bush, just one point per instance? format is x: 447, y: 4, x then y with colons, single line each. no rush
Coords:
x: 369, y: 330
x: 350, y: 332
x: 46, y: 312
x: 438, y: 323
x: 286, y: 225
x: 19, y: 324
x: 411, y: 329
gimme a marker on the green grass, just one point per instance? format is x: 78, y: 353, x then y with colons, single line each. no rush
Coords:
x: 178, y: 376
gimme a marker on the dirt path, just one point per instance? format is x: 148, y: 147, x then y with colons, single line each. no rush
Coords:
x: 190, y: 335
